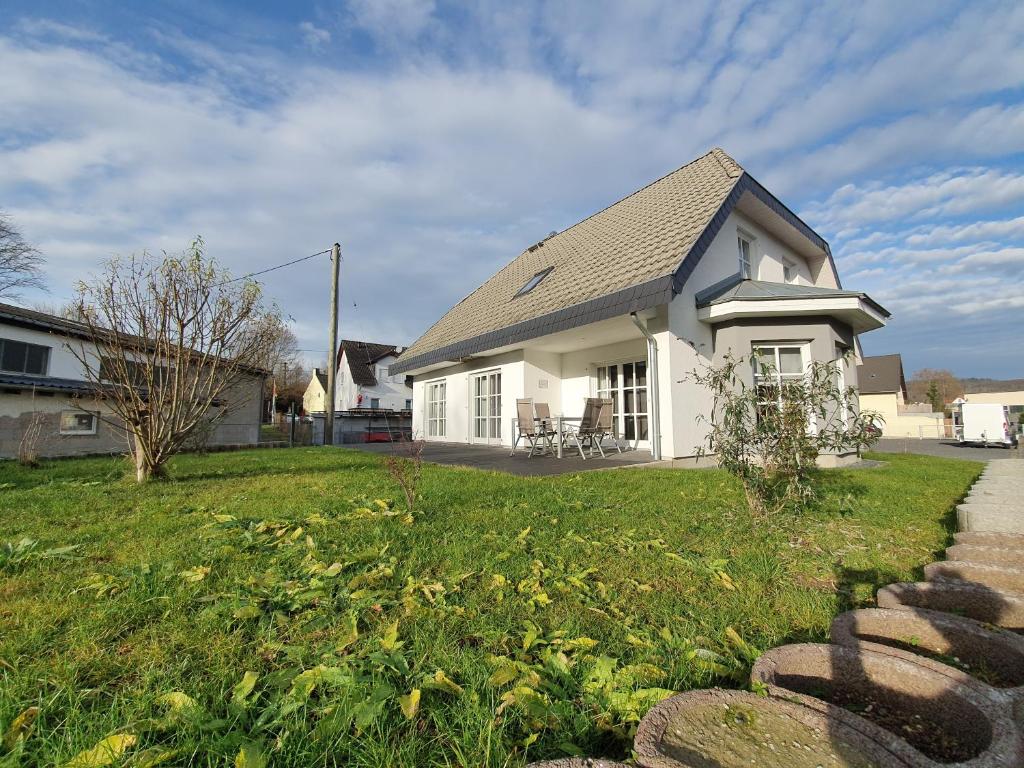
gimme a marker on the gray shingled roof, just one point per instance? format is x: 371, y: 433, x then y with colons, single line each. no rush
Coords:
x: 736, y: 288
x: 361, y: 355
x: 881, y: 374
x: 45, y: 383
x: 630, y: 256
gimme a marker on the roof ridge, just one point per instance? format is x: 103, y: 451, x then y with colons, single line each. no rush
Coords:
x: 732, y: 169
x: 641, y: 189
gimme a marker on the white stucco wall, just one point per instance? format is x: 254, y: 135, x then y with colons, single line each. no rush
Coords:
x: 390, y: 390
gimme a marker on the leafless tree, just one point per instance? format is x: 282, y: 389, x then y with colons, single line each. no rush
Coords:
x: 167, y: 340
x: 21, y: 265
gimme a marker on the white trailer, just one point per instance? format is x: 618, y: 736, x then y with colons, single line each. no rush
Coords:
x: 983, y: 424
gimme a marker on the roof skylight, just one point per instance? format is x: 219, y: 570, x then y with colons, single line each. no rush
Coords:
x: 533, y: 282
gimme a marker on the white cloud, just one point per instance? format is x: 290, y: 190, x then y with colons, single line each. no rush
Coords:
x: 1008, y: 228
x: 470, y: 135
x: 313, y: 36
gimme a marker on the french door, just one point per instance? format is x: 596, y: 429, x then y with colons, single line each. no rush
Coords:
x: 485, y: 407
x: 626, y: 385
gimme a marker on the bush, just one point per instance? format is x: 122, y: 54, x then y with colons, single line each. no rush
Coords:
x: 770, y: 435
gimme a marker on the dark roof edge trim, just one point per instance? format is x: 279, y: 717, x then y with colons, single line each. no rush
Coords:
x: 633, y: 299
x: 747, y: 183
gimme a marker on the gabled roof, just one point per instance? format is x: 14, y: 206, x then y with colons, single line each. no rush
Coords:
x: 361, y: 355
x: 630, y: 256
x: 881, y: 374
x: 736, y: 288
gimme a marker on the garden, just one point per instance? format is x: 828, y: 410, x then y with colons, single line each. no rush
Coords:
x: 284, y: 607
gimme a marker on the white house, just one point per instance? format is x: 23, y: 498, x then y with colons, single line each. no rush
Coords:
x: 43, y: 387
x: 883, y: 389
x: 628, y: 301
x: 363, y: 380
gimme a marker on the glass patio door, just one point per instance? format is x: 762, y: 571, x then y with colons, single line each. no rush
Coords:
x: 485, y: 392
x: 626, y: 385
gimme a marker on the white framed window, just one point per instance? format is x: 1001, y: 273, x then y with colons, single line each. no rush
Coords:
x: 436, y: 408
x: 375, y: 403
x: 78, y: 422
x: 790, y: 273
x: 745, y: 249
x: 778, y: 368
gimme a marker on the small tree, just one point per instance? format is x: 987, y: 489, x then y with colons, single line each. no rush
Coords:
x: 935, y: 397
x: 770, y: 435
x: 404, y: 464
x: 21, y: 265
x: 166, y: 342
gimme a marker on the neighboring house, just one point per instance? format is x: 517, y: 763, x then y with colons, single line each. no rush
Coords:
x: 883, y: 389
x: 363, y: 381
x: 705, y: 260
x: 43, y: 383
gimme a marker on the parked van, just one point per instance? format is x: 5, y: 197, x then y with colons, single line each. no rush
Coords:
x: 983, y: 424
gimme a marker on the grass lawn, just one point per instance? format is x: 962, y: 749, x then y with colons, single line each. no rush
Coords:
x: 276, y: 607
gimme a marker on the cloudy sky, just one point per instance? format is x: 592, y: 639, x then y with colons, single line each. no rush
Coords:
x: 436, y: 142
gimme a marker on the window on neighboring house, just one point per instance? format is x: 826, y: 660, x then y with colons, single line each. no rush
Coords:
x: 408, y: 405
x: 533, y: 282
x: 375, y: 402
x: 436, y: 407
x: 778, y: 368
x: 110, y: 370
x: 745, y: 245
x: 789, y: 271
x: 21, y: 357
x: 78, y: 422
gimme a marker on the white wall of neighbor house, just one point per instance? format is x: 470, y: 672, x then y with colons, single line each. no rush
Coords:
x: 62, y: 362
x: 390, y: 391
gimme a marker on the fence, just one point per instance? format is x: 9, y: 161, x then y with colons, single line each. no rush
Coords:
x: 363, y: 426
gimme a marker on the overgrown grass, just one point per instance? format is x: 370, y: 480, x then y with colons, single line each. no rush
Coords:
x: 291, y: 611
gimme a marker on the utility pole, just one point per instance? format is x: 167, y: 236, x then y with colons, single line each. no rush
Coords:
x: 332, y: 352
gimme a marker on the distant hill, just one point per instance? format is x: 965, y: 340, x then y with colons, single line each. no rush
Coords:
x: 992, y: 385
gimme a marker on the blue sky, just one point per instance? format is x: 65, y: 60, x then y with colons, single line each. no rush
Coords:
x: 435, y: 141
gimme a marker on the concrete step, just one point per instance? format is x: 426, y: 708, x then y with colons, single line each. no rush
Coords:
x: 997, y: 577
x: 990, y: 539
x: 1014, y: 558
x: 976, y: 601
x: 971, y: 517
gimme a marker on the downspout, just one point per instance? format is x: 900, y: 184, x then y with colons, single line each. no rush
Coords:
x: 652, y: 386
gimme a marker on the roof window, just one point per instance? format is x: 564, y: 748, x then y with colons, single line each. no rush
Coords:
x: 533, y: 282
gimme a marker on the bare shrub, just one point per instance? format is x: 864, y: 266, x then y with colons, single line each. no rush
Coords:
x: 404, y: 464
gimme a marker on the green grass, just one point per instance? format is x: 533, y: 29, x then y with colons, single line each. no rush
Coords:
x: 557, y: 609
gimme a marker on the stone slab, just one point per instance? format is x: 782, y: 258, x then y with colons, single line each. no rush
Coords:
x: 1013, y: 557
x: 998, y: 577
x: 974, y: 518
x: 990, y: 539
x: 976, y: 601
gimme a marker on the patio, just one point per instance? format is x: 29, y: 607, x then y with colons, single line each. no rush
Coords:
x: 497, y: 458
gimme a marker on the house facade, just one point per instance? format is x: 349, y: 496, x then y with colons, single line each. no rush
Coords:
x: 43, y: 388
x: 363, y: 381
x: 883, y: 389
x: 626, y: 303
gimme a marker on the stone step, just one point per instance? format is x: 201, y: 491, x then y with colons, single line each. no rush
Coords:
x: 1013, y: 558
x: 992, y: 606
x: 971, y: 517
x: 999, y: 577
x: 990, y: 539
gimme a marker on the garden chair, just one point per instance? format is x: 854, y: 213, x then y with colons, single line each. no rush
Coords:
x: 594, y: 426
x: 545, y: 423
x: 528, y: 428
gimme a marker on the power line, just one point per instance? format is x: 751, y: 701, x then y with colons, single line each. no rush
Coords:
x: 279, y: 266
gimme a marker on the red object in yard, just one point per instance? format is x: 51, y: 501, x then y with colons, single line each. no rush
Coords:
x: 378, y: 437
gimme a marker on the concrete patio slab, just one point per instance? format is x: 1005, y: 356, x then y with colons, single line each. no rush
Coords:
x: 496, y: 459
